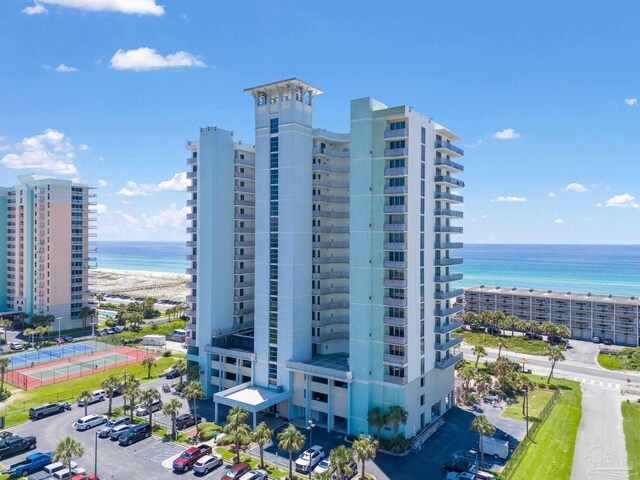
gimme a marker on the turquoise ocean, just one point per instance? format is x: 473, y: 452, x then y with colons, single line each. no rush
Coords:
x: 601, y: 269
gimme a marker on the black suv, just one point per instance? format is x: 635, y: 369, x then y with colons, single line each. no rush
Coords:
x: 477, y: 328
x: 186, y: 420
x: 533, y: 335
x: 135, y: 433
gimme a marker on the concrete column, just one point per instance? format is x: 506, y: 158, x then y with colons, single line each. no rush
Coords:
x: 290, y: 400
x: 216, y: 410
x: 238, y: 372
x: 220, y: 373
x: 348, y: 407
x: 308, y: 399
x: 329, y: 409
x: 255, y: 420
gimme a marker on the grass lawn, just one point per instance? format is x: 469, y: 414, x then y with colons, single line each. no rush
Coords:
x: 516, y: 344
x: 631, y: 424
x: 610, y: 362
x: 550, y: 455
x: 538, y: 399
x: 21, y: 401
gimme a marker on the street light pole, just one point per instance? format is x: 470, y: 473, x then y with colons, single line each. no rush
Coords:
x: 59, y: 326
x: 310, y: 426
x: 525, y: 400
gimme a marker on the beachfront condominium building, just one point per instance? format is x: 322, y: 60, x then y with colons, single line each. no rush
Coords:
x: 45, y: 249
x: 322, y: 263
x: 586, y: 315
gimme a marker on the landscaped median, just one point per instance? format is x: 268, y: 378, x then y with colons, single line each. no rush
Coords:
x: 550, y: 454
x: 631, y: 425
x: 515, y: 344
x: 625, y: 359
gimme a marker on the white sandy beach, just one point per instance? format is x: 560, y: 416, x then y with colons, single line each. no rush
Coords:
x: 140, y: 283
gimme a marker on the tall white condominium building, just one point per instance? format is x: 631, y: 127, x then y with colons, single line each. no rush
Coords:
x: 45, y: 249
x: 322, y: 262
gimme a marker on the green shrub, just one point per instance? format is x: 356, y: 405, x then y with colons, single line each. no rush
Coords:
x: 226, y: 440
x: 207, y: 429
x: 110, y: 323
x: 542, y: 385
x: 396, y: 444
x: 167, y: 353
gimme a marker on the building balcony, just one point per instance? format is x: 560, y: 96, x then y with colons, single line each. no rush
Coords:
x: 243, y: 216
x: 395, y: 321
x: 250, y: 162
x: 449, y: 361
x: 246, y: 297
x: 329, y: 306
x: 395, y: 208
x: 448, y: 278
x: 244, y: 257
x: 395, y: 227
x: 449, y: 148
x: 445, y: 212
x: 448, y: 327
x: 447, y: 295
x: 191, y: 326
x: 395, y: 246
x: 243, y: 243
x: 395, y: 359
x: 244, y: 230
x: 329, y: 290
x: 245, y: 203
x: 322, y: 167
x: 192, y: 216
x: 243, y: 271
x: 192, y: 189
x: 330, y: 198
x: 192, y: 175
x: 447, y: 245
x: 243, y: 189
x: 335, y: 320
x: 329, y: 153
x: 192, y: 243
x: 394, y: 302
x: 325, y: 337
x: 330, y: 229
x: 396, y: 171
x: 328, y: 275
x: 397, y: 133
x: 192, y: 257
x: 395, y: 152
x: 395, y: 340
x: 447, y: 229
x: 396, y: 380
x: 394, y: 283
x: 395, y: 265
x: 192, y: 271
x: 244, y: 283
x: 329, y: 214
x: 242, y: 311
x: 448, y: 196
x: 445, y: 312
x: 453, y: 166
x: 448, y: 181
x: 330, y: 244
x: 323, y: 182
x: 397, y: 190
x: 192, y: 229
x: 192, y: 161
x: 332, y: 259
x: 190, y: 298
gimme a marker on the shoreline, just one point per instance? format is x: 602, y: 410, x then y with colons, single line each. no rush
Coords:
x: 132, y: 271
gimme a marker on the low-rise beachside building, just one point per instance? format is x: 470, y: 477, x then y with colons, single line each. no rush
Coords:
x: 322, y: 263
x: 586, y: 315
x: 45, y: 250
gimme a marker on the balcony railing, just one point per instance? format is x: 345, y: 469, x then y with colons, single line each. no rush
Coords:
x: 330, y: 229
x: 397, y: 190
x: 445, y: 162
x: 397, y: 359
x: 332, y: 259
x: 446, y: 179
x: 321, y: 182
x: 446, y: 295
x: 395, y: 246
x: 329, y: 306
x: 330, y: 198
x: 396, y: 380
x: 395, y: 340
x: 448, y: 278
x: 244, y: 161
x: 329, y: 214
x: 449, y: 146
x: 244, y: 175
x: 395, y: 321
x: 395, y: 265
x: 395, y: 152
x: 330, y: 168
x: 396, y: 171
x: 452, y: 342
x: 445, y: 312
x: 329, y: 153
x: 327, y: 275
x: 329, y: 290
x: 447, y: 229
x: 395, y: 302
x: 394, y: 283
x: 448, y: 327
x: 397, y: 133
x: 330, y: 244
x: 447, y: 362
x: 445, y: 212
x: 447, y: 245
x: 192, y: 175
x: 395, y: 227
x: 395, y: 208
x: 324, y: 337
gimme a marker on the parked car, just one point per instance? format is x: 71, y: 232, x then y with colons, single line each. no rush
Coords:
x: 323, y: 466
x: 533, y: 335
x: 65, y: 474
x: 55, y: 466
x: 558, y: 340
x: 493, y: 330
x: 98, y: 396
x: 118, y: 329
x: 190, y: 456
x: 12, y: 445
x: 207, y: 463
x: 352, y: 471
x: 135, y: 433
x: 85, y: 476
x: 187, y: 420
x: 309, y: 459
x: 111, y: 424
x: 46, y: 409
x: 143, y: 410
x: 607, y: 341
x: 460, y: 476
x: 33, y: 463
x: 115, y: 432
x: 255, y: 475
x: 481, y: 474
x: 237, y: 471
x: 90, y: 421
x: 596, y: 340
x: 476, y: 328
x: 15, y: 346
x: 457, y: 465
x: 68, y: 339
x: 173, y: 373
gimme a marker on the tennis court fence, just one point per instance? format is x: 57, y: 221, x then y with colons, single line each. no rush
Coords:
x: 31, y: 358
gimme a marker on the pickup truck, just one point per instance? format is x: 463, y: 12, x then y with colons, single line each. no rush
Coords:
x: 190, y: 456
x: 12, y: 445
x: 33, y: 463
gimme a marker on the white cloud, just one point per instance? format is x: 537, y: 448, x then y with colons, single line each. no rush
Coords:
x: 75, y: 180
x: 49, y: 151
x: 133, y: 7
x: 100, y: 209
x: 510, y: 199
x: 62, y: 68
x: 598, y: 204
x: 129, y: 219
x: 125, y: 202
x: 506, y: 134
x: 632, y: 102
x: 623, y: 201
x: 174, y: 218
x: 36, y: 9
x: 178, y: 183
x: 474, y: 145
x: 145, y: 59
x: 83, y: 147
x: 552, y: 195
x: 575, y: 187
x: 102, y: 183
x: 485, y: 216
x: 558, y: 221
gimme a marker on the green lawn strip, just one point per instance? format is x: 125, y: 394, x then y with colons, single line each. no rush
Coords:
x: 631, y: 426
x: 610, y: 362
x: 274, y: 472
x: 21, y: 401
x: 550, y: 455
x: 515, y: 344
x: 538, y: 398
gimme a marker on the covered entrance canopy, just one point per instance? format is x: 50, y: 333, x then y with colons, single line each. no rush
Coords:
x: 251, y: 397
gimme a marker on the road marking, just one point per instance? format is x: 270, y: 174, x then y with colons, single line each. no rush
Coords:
x: 584, y: 380
x: 593, y: 382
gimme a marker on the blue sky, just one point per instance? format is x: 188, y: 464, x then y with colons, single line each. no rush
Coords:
x: 546, y: 95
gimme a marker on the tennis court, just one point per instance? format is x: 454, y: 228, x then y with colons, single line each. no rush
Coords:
x: 53, y: 354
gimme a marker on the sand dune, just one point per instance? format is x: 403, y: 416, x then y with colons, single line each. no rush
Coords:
x: 138, y: 283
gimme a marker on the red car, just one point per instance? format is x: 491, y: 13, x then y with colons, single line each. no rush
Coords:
x: 190, y: 456
x: 85, y: 476
x: 237, y: 471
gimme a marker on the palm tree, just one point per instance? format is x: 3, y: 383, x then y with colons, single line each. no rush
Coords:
x: 194, y: 391
x: 4, y: 364
x: 513, y: 322
x: 471, y: 318
x: 262, y: 435
x: 149, y: 362
x: 237, y: 429
x: 483, y: 427
x: 110, y: 384
x: 340, y: 459
x: 172, y: 409
x: 5, y: 323
x: 364, y: 448
x: 181, y: 366
x: 84, y: 313
x: 479, y: 352
x: 22, y: 318
x: 498, y: 319
x: 486, y: 318
x: 467, y: 373
x: 131, y: 392
x: 555, y: 355
x: 525, y: 383
x: 291, y: 440
x: 377, y: 418
x: 147, y: 397
x: 29, y: 332
x: 563, y: 331
x: 397, y: 416
x: 482, y: 380
x: 549, y: 329
x: 68, y: 448
x: 85, y: 397
x: 501, y: 343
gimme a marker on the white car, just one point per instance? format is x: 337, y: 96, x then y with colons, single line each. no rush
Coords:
x: 65, y: 473
x: 255, y: 475
x: 207, y: 463
x: 481, y: 474
x: 309, y: 459
x: 15, y: 346
x: 55, y: 466
x: 89, y: 421
x: 323, y: 466
x: 143, y: 409
x: 460, y: 476
x: 98, y: 396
